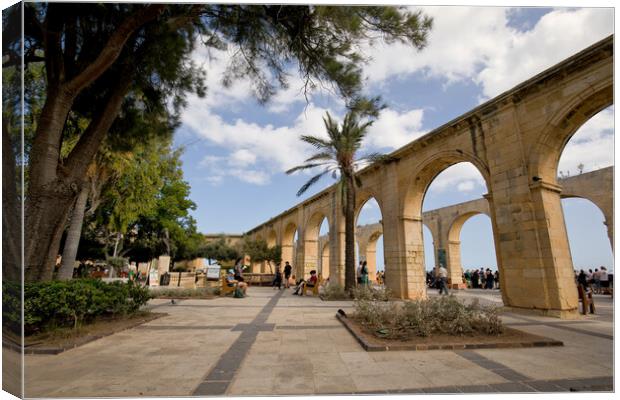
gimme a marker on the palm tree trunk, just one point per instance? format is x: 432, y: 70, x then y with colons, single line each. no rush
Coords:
x: 349, y: 233
x: 73, y: 236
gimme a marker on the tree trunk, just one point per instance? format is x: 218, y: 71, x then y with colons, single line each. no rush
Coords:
x: 73, y: 236
x: 349, y: 233
x: 11, y: 211
x: 116, y: 243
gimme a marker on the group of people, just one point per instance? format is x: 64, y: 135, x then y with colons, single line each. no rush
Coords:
x: 599, y: 279
x: 481, y: 279
x: 286, y: 279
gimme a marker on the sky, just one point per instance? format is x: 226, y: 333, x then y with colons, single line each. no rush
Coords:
x: 236, y: 150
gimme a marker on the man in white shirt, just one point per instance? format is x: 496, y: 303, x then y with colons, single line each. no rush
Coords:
x: 442, y: 274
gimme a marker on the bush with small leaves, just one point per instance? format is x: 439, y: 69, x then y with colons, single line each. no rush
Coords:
x: 334, y: 291
x: 70, y: 303
x: 433, y: 316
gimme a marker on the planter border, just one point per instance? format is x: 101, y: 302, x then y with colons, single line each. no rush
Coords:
x: 543, y: 342
x: 80, y: 341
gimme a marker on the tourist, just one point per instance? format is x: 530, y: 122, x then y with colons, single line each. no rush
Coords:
x: 358, y: 274
x: 467, y: 278
x: 483, y: 278
x: 277, y: 281
x: 496, y: 279
x: 238, y: 271
x: 589, y: 276
x: 582, y: 279
x: 364, y: 274
x: 232, y: 281
x: 474, y: 279
x: 287, y: 274
x: 604, y: 278
x: 310, y: 283
x: 442, y: 276
x: 489, y: 279
x: 596, y: 277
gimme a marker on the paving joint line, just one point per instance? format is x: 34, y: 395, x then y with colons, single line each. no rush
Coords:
x: 497, y: 368
x: 222, y: 374
x: 560, y: 325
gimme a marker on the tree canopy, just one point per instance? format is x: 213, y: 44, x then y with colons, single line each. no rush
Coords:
x: 111, y: 68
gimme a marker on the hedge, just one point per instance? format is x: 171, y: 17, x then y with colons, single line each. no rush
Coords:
x: 69, y: 303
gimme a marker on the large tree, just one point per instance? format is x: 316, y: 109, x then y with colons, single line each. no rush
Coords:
x: 338, y: 155
x: 100, y: 57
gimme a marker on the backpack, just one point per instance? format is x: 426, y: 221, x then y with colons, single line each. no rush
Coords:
x: 238, y: 294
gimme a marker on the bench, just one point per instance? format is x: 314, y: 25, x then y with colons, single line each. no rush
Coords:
x: 315, y: 288
x: 225, y: 289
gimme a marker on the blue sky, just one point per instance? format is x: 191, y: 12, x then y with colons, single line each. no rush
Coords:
x: 237, y: 150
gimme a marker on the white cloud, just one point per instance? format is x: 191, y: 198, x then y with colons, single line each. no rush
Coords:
x: 464, y: 176
x: 394, y: 130
x: 476, y: 44
x: 242, y: 157
x: 558, y: 35
x: 592, y: 145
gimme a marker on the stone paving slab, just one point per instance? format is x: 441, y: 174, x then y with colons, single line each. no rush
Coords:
x: 274, y: 343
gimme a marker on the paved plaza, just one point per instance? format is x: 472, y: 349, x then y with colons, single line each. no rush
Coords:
x: 275, y: 343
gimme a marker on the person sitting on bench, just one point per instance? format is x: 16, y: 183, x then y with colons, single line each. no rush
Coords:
x: 310, y: 283
x: 231, y: 282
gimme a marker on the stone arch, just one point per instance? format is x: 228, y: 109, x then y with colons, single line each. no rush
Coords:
x: 546, y: 152
x: 287, y: 242
x: 600, y: 213
x: 311, y: 232
x: 605, y: 210
x: 429, y: 169
x: 453, y: 251
x: 362, y: 197
x: 272, y: 237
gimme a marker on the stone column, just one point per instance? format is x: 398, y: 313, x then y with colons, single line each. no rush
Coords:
x: 371, y: 259
x: 311, y: 256
x: 455, y: 268
x: 537, y: 271
x: 403, y: 246
x: 325, y: 262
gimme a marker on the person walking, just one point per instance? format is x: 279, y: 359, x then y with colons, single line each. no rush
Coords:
x: 287, y: 275
x: 364, y: 273
x: 358, y: 274
x: 442, y: 275
x: 277, y: 281
x: 474, y: 279
x: 496, y: 279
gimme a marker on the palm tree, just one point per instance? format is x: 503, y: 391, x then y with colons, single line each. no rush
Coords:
x: 337, y: 155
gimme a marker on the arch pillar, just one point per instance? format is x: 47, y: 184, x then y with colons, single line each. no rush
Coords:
x: 311, y: 256
x: 371, y: 259
x: 324, y: 262
x: 537, y: 271
x: 455, y: 268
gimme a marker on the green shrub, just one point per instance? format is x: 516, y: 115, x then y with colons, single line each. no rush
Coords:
x: 365, y: 292
x: 438, y: 315
x: 183, y: 293
x: 70, y: 303
x: 334, y: 291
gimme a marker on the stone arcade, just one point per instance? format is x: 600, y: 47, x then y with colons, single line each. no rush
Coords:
x: 515, y: 141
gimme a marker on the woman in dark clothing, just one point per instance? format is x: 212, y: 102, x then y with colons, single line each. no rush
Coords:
x: 474, y: 279
x: 277, y: 282
x: 582, y: 279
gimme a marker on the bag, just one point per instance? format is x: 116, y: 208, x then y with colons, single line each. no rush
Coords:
x: 238, y: 293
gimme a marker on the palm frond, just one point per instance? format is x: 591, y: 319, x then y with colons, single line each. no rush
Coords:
x: 311, y: 182
x: 316, y: 142
x: 324, y: 155
x: 304, y: 166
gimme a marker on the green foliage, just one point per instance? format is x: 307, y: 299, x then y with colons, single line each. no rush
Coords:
x: 259, y: 251
x: 219, y: 250
x: 184, y: 293
x: 433, y: 316
x: 334, y: 291
x: 70, y: 303
x: 369, y: 293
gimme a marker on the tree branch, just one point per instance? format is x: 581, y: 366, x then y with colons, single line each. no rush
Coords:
x: 88, y: 145
x: 113, y: 47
